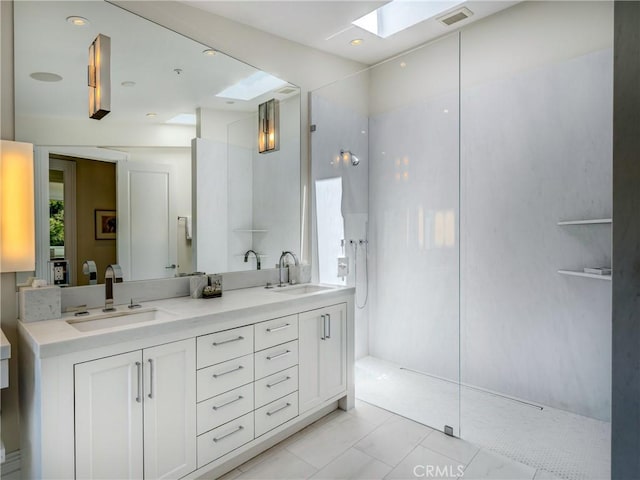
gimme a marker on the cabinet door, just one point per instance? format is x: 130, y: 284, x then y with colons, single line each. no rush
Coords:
x: 333, y: 352
x: 310, y: 336
x: 170, y: 409
x: 108, y: 417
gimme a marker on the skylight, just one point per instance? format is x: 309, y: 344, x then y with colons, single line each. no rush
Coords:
x: 252, y: 87
x: 399, y: 15
x: 183, y: 119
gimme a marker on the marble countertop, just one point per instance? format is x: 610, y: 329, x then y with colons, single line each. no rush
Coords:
x: 5, y: 347
x: 56, y: 337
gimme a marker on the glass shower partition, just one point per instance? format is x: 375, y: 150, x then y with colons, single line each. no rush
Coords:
x: 400, y: 214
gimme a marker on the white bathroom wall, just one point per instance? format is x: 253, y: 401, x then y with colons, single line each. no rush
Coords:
x: 233, y: 133
x: 241, y: 144
x: 209, y: 205
x: 68, y: 132
x: 339, y: 113
x: 414, y: 211
x: 536, y: 130
x: 276, y: 188
x: 535, y: 148
x: 264, y: 190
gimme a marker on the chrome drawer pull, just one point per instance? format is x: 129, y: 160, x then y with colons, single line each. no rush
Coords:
x: 216, y: 344
x: 329, y: 325
x: 216, y: 375
x: 216, y: 407
x: 277, y: 329
x: 279, y: 409
x: 139, y: 369
x: 151, y: 378
x: 324, y: 326
x: 269, y: 385
x: 279, y: 355
x: 217, y: 439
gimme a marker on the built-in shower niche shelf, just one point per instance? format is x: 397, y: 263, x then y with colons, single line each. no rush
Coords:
x: 250, y: 230
x: 594, y: 221
x: 577, y: 273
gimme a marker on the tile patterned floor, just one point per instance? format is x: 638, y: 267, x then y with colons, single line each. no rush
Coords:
x: 370, y: 443
x: 558, y: 443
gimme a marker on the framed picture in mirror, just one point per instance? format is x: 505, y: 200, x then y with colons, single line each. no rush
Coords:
x: 106, y: 223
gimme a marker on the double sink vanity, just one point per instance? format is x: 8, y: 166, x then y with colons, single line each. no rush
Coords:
x: 182, y: 387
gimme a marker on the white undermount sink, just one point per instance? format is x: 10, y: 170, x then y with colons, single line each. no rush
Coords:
x: 302, y: 289
x: 119, y: 318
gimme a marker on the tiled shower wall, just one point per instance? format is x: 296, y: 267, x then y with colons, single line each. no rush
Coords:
x: 485, y: 186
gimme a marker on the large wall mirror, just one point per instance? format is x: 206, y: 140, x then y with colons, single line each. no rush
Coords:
x: 170, y: 181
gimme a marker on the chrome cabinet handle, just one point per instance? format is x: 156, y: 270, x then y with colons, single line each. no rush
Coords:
x: 239, y: 367
x: 273, y: 412
x: 270, y: 385
x: 215, y: 344
x: 216, y: 407
x: 329, y: 325
x: 277, y: 329
x: 279, y: 355
x: 151, y: 378
x: 171, y: 267
x: 324, y: 327
x: 217, y: 439
x: 139, y: 369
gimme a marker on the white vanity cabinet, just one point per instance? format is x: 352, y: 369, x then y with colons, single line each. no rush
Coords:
x: 323, y: 355
x: 135, y: 413
x: 189, y: 397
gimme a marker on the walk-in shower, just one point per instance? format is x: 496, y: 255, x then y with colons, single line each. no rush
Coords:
x: 474, y: 151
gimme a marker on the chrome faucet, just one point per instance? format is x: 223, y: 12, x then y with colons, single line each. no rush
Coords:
x: 112, y: 275
x: 246, y: 258
x: 281, y: 265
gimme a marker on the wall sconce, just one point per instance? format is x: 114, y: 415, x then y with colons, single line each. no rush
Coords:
x: 17, y: 224
x: 99, y: 73
x: 269, y: 126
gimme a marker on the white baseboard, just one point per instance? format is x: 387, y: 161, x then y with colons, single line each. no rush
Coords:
x: 10, y: 469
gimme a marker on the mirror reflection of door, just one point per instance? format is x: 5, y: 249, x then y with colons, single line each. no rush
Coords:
x: 77, y: 189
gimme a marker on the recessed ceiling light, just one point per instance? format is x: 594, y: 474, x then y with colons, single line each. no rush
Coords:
x: 209, y: 51
x: 77, y: 21
x: 356, y: 41
x: 46, y: 77
x: 403, y: 64
x: 151, y: 114
x: 128, y: 83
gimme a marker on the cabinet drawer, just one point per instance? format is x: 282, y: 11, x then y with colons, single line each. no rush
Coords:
x: 223, y: 346
x: 276, y: 386
x: 276, y: 331
x: 224, y: 439
x: 223, y: 408
x: 223, y: 377
x: 276, y: 413
x: 276, y: 359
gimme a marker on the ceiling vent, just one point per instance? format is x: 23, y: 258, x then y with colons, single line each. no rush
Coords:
x: 286, y: 90
x: 455, y: 16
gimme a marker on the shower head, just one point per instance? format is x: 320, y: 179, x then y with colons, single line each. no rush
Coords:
x: 347, y: 156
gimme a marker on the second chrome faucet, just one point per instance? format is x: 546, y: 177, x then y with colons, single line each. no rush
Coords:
x: 281, y: 266
x: 112, y: 275
x: 246, y: 258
